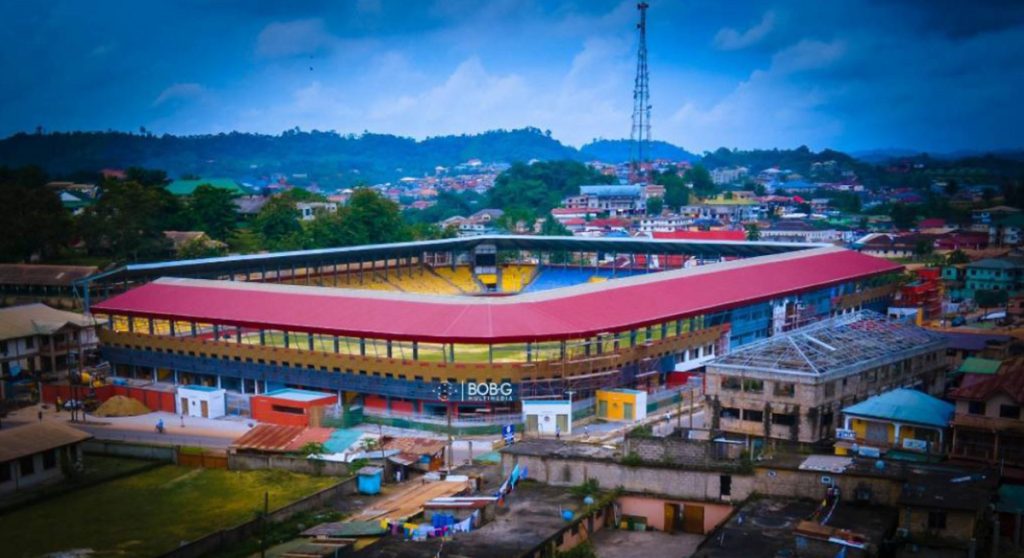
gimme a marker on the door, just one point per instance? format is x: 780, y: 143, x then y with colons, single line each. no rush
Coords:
x: 205, y: 408
x: 671, y: 517
x: 627, y: 411
x: 693, y: 519
x: 602, y: 409
x: 531, y: 424
x: 562, y: 423
x: 184, y: 406
x: 878, y: 433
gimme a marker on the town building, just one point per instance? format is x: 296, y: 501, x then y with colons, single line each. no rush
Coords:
x: 38, y: 453
x: 1003, y: 274
x: 988, y: 425
x: 38, y: 342
x: 50, y: 284
x: 793, y: 386
x: 897, y: 422
x: 614, y: 198
x: 311, y: 210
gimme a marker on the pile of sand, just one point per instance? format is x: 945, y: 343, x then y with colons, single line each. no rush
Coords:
x: 121, y: 406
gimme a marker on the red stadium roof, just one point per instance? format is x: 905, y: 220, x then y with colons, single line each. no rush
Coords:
x: 571, y: 312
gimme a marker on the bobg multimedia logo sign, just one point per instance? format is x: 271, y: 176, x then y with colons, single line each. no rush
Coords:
x: 487, y: 391
x: 476, y: 391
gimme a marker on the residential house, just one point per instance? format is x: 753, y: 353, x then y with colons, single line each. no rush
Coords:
x: 182, y: 239
x: 1007, y: 230
x: 38, y: 341
x: 662, y: 223
x: 799, y: 230
x: 614, y: 198
x: 988, y: 425
x: 311, y: 210
x: 49, y: 284
x: 38, y: 453
x: 894, y: 422
x: 1002, y: 274
x: 961, y: 346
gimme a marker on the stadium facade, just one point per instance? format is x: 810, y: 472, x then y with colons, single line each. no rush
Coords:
x: 299, y: 319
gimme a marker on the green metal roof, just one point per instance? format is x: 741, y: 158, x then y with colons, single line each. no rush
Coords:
x: 904, y: 405
x: 975, y: 365
x: 187, y: 187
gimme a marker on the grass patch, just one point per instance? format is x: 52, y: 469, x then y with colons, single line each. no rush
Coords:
x: 97, y: 469
x: 151, y: 512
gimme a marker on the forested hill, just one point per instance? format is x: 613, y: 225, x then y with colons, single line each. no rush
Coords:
x: 331, y: 158
x: 618, y: 151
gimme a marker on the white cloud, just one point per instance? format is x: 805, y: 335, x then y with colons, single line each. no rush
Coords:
x: 179, y: 92
x: 728, y: 38
x: 294, y: 38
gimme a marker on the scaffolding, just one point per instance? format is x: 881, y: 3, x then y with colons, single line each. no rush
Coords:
x: 835, y: 347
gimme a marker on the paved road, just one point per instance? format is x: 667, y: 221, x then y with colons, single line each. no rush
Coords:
x: 174, y: 436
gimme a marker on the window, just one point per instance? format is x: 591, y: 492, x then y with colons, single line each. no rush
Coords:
x: 1009, y: 411
x: 753, y: 386
x: 729, y: 413
x: 30, y: 342
x: 785, y: 389
x: 725, y: 485
x: 5, y: 472
x: 936, y: 520
x: 783, y: 419
x: 830, y: 389
x: 288, y: 410
x: 49, y: 459
x: 730, y: 383
x: 27, y: 465
x: 753, y: 416
x: 976, y: 408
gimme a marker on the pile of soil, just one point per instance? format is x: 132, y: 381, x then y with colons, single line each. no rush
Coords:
x: 121, y: 406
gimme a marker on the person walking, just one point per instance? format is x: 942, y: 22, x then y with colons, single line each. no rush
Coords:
x: 60, y: 403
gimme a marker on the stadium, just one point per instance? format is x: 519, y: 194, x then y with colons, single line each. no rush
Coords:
x: 468, y: 327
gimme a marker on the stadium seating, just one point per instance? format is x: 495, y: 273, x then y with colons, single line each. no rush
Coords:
x: 461, y: 277
x: 515, y: 277
x: 557, y: 277
x: 423, y: 280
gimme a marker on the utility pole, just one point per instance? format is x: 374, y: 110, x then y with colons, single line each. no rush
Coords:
x: 640, y: 135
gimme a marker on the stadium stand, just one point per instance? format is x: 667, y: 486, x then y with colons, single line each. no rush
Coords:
x: 461, y: 277
x: 515, y: 277
x: 557, y: 277
x: 425, y: 281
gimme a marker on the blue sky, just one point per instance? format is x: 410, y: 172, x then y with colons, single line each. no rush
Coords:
x: 936, y: 75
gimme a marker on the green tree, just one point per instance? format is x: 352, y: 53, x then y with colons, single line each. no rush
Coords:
x: 35, y: 223
x: 378, y: 217
x: 542, y: 185
x: 903, y: 216
x: 699, y: 176
x: 677, y: 194
x: 213, y: 211
x: 655, y: 205
x: 753, y: 232
x: 923, y: 248
x: 278, y: 224
x: 758, y: 188
x: 146, y: 177
x: 199, y: 248
x: 951, y: 188
x: 957, y: 257
x: 244, y: 241
x: 128, y: 221
x: 552, y: 227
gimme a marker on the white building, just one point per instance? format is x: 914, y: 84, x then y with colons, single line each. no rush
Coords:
x: 728, y: 175
x: 310, y: 210
x: 546, y: 416
x: 201, y: 401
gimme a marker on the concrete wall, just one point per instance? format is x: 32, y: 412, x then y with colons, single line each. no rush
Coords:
x: 681, y: 451
x: 127, y: 449
x: 654, y: 510
x: 960, y: 526
x: 704, y: 486
x: 254, y: 462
